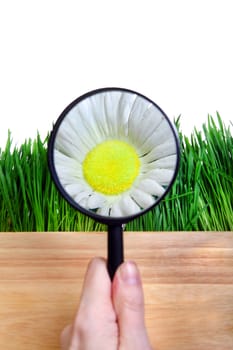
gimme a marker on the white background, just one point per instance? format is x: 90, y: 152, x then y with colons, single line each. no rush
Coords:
x: 178, y: 53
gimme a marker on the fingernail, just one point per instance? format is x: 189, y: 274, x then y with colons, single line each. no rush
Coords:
x: 129, y: 273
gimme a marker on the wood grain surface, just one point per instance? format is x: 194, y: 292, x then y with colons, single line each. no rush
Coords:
x: 187, y: 278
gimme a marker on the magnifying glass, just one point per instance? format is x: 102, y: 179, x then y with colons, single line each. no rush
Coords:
x: 113, y: 155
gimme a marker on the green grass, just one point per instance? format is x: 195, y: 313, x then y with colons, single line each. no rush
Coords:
x: 201, y: 198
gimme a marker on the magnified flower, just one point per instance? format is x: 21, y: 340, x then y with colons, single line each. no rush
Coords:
x: 115, y: 153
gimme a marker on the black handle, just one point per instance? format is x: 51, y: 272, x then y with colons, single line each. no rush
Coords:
x: 115, y: 248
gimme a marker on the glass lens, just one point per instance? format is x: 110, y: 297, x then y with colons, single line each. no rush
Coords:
x: 113, y: 154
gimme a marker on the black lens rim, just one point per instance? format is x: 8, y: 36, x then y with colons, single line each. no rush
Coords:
x: 50, y: 155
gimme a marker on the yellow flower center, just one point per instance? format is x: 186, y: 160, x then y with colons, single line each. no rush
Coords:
x: 111, y: 167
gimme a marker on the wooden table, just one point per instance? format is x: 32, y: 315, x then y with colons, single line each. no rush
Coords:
x: 188, y: 284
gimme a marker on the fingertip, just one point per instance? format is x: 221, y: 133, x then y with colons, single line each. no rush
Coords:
x: 97, y: 285
x: 97, y: 268
x: 129, y: 274
x: 127, y: 290
x: 96, y: 261
x: 128, y: 301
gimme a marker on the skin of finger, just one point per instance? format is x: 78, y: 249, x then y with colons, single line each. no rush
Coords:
x: 95, y: 325
x: 128, y: 300
x: 65, y: 337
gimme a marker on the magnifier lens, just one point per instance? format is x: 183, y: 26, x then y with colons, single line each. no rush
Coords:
x: 114, y: 154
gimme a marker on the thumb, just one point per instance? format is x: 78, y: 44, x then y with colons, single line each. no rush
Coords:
x: 128, y: 302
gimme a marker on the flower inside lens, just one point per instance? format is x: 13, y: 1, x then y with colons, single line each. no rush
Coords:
x: 111, y: 167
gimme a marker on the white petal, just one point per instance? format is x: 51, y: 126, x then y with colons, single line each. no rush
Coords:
x: 151, y: 187
x: 69, y: 132
x: 68, y: 170
x: 90, y: 118
x: 165, y: 163
x: 128, y: 205
x: 64, y: 160
x: 67, y: 148
x: 98, y: 111
x: 75, y: 120
x: 147, y: 132
x: 72, y: 173
x: 116, y: 210
x: 83, y: 203
x: 111, y: 102
x: 162, y: 176
x: 80, y: 196
x: 96, y: 201
x: 104, y: 211
x: 67, y: 179
x: 74, y: 189
x: 136, y: 117
x: 156, y: 137
x: 123, y: 111
x: 165, y: 149
x: 143, y: 199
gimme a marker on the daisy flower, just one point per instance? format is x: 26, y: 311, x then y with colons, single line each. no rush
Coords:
x: 115, y: 153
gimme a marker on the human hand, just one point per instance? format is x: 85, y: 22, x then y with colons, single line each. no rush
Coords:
x: 110, y: 315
